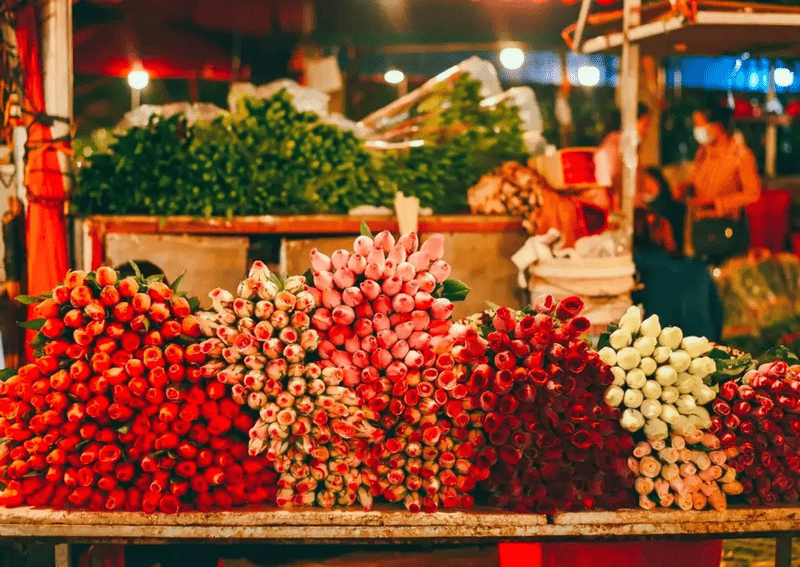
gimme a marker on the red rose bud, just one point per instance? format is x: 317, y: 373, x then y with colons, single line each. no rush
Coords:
x: 48, y: 309
x: 80, y: 296
x: 159, y: 312
x: 728, y: 391
x: 569, y: 307
x: 53, y: 328
x: 160, y: 292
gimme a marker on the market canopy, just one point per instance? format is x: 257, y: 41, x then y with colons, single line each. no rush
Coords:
x: 704, y: 27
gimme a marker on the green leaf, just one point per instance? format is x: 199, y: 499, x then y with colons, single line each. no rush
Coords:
x: 604, y: 341
x: 492, y: 306
x: 162, y: 221
x: 187, y: 339
x: 177, y: 282
x: 155, y: 278
x: 365, y: 231
x: 309, y: 275
x: 779, y: 353
x: 47, y: 294
x: 194, y: 304
x: 136, y: 269
x: 32, y: 325
x: 455, y: 290
x: 28, y: 299
x: 7, y: 373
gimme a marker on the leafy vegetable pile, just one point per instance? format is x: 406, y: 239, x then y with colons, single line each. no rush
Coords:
x: 271, y: 158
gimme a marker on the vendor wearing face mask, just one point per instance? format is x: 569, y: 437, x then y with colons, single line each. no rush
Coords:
x: 724, y: 182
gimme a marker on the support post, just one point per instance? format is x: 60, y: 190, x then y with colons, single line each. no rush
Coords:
x: 629, y: 97
x: 771, y: 141
x: 584, y: 14
x: 62, y: 555
x: 783, y: 551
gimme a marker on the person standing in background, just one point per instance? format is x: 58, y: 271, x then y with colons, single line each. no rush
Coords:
x: 14, y: 260
x: 725, y: 181
x: 608, y: 159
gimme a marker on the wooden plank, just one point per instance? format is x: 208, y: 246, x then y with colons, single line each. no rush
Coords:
x: 298, y: 224
x: 678, y: 516
x: 783, y: 552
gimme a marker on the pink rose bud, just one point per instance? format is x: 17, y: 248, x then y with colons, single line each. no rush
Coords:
x: 423, y: 300
x: 288, y: 335
x: 247, y: 288
x: 380, y: 322
x: 370, y: 343
x: 322, y: 320
x: 419, y: 340
x: 294, y: 353
x: 304, y: 301
x: 411, y: 287
x: 403, y: 303
x: 331, y: 298
x: 381, y: 358
x: 389, y: 269
x: 544, y: 304
x: 285, y: 301
x: 319, y: 261
x: 231, y: 355
x: 440, y: 270
x: 397, y: 254
x: 427, y: 282
x: 268, y: 414
x: 386, y: 338
x: 404, y: 330
x: 370, y: 288
x: 326, y: 349
x: 259, y: 271
x: 392, y: 286
x: 246, y: 325
x: 309, y: 340
x: 363, y: 245
x: 272, y: 348
x: 351, y: 376
x: 342, y: 359
x: 226, y: 317
x: 376, y: 256
x: 405, y: 271
x: 409, y: 242
x: 363, y: 327
x: 419, y: 260
x: 413, y: 359
x: 352, y: 344
x: 382, y: 304
x: 263, y: 309
x: 323, y: 280
x: 442, y: 343
x: 339, y: 259
x: 226, y: 334
x: 255, y: 361
x: 374, y: 271
x: 433, y: 247
x: 361, y: 358
x: 238, y: 394
x: 263, y: 331
x: 315, y: 293
x: 357, y: 264
x: 352, y: 296
x: 384, y: 240
x: 396, y: 371
x: 400, y: 349
x: 344, y: 278
x: 441, y: 308
x: 420, y: 319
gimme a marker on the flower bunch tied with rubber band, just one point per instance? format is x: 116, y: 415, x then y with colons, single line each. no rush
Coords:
x: 385, y: 321
x: 310, y: 426
x: 115, y: 413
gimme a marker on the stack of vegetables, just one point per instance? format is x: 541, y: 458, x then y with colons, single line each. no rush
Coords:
x: 352, y: 385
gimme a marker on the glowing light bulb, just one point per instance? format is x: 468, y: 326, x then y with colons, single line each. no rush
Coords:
x: 394, y: 76
x: 783, y: 77
x: 138, y: 79
x: 588, y: 76
x: 512, y: 57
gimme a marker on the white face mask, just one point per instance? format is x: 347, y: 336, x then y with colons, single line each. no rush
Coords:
x: 701, y: 135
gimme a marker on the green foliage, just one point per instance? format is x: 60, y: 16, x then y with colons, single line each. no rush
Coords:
x: 269, y: 158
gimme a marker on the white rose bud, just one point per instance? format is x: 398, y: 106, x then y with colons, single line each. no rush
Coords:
x: 644, y: 346
x: 696, y: 346
x: 651, y: 327
x: 698, y: 367
x: 669, y: 413
x: 669, y: 395
x: 686, y: 383
x: 632, y: 398
x: 682, y: 425
x: 666, y: 375
x: 703, y: 416
x: 608, y: 355
x: 619, y: 339
x: 670, y: 337
x: 651, y: 390
x: 632, y: 420
x: 655, y: 429
x: 632, y: 320
x: 711, y: 365
x: 628, y: 358
x: 686, y: 404
x: 619, y: 376
x: 636, y: 379
x: 661, y: 354
x: 651, y: 409
x: 680, y: 360
x: 703, y: 394
x: 614, y: 395
x: 648, y: 366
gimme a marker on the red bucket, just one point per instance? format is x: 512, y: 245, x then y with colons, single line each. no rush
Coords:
x: 769, y: 220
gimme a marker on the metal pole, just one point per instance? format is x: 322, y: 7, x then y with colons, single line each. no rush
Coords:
x: 783, y: 551
x: 576, y: 42
x: 629, y: 97
x: 771, y: 142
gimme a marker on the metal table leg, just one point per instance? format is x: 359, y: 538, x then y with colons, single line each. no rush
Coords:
x: 62, y: 555
x: 783, y: 551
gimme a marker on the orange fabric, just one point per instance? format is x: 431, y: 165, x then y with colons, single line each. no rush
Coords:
x: 46, y: 226
x: 726, y: 175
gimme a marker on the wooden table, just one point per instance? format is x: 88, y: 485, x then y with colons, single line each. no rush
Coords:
x: 384, y: 525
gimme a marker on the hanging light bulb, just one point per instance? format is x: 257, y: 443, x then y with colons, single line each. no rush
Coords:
x: 138, y: 79
x: 589, y: 76
x: 394, y: 76
x: 512, y: 58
